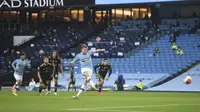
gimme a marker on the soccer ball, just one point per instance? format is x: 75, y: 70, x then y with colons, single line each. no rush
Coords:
x: 187, y: 80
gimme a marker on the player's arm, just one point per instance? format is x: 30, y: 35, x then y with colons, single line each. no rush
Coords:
x: 28, y: 63
x: 39, y: 76
x: 13, y: 64
x: 110, y: 72
x: 91, y: 52
x: 76, y: 58
x: 71, y: 72
x: 53, y: 70
x: 95, y: 68
x: 70, y: 68
x: 61, y: 68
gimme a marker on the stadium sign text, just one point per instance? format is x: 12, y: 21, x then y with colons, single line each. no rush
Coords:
x: 30, y: 3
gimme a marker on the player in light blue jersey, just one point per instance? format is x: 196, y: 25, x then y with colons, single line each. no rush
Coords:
x: 86, y: 66
x: 18, y: 66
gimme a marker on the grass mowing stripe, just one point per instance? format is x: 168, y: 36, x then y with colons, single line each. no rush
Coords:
x: 138, y: 106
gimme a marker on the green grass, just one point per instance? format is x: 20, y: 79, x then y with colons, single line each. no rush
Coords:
x: 108, y: 102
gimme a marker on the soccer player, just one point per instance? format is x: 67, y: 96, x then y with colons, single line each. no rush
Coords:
x: 18, y: 66
x: 45, y: 74
x: 72, y: 79
x: 55, y: 60
x: 86, y: 66
x: 103, y: 69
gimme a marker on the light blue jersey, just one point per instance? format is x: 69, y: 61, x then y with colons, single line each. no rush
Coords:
x: 19, y: 65
x: 85, y: 59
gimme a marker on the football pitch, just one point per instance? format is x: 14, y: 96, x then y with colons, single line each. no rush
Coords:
x: 108, y: 102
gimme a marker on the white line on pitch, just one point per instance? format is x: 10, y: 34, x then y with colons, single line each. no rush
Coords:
x: 118, y: 111
x: 111, y: 110
x: 137, y: 106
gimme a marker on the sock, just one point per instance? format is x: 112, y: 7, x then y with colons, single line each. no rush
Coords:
x: 14, y: 88
x: 68, y: 88
x: 56, y: 85
x: 100, y: 89
x: 16, y: 84
x: 92, y: 84
x: 81, y: 90
x: 56, y: 89
x: 96, y: 85
x: 49, y: 87
x: 40, y: 90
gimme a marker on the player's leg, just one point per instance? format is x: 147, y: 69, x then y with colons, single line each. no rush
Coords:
x: 18, y: 79
x: 101, y: 84
x: 69, y: 84
x: 74, y: 85
x: 49, y: 86
x: 81, y: 89
x: 43, y: 84
x: 72, y: 82
x: 87, y: 73
x: 98, y: 83
x: 93, y: 86
x: 14, y: 87
x: 56, y: 83
x: 88, y: 76
x: 137, y: 88
x: 41, y: 87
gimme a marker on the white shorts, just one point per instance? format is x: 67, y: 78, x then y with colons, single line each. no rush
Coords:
x: 18, y: 77
x: 88, y: 70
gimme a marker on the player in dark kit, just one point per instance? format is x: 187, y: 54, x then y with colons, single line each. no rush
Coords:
x: 45, y: 74
x: 72, y: 80
x: 103, y: 69
x: 55, y: 60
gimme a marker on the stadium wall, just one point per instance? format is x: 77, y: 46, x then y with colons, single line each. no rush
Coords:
x: 130, y: 78
x: 178, y: 84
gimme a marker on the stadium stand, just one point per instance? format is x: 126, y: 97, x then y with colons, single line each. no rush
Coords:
x: 167, y: 61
